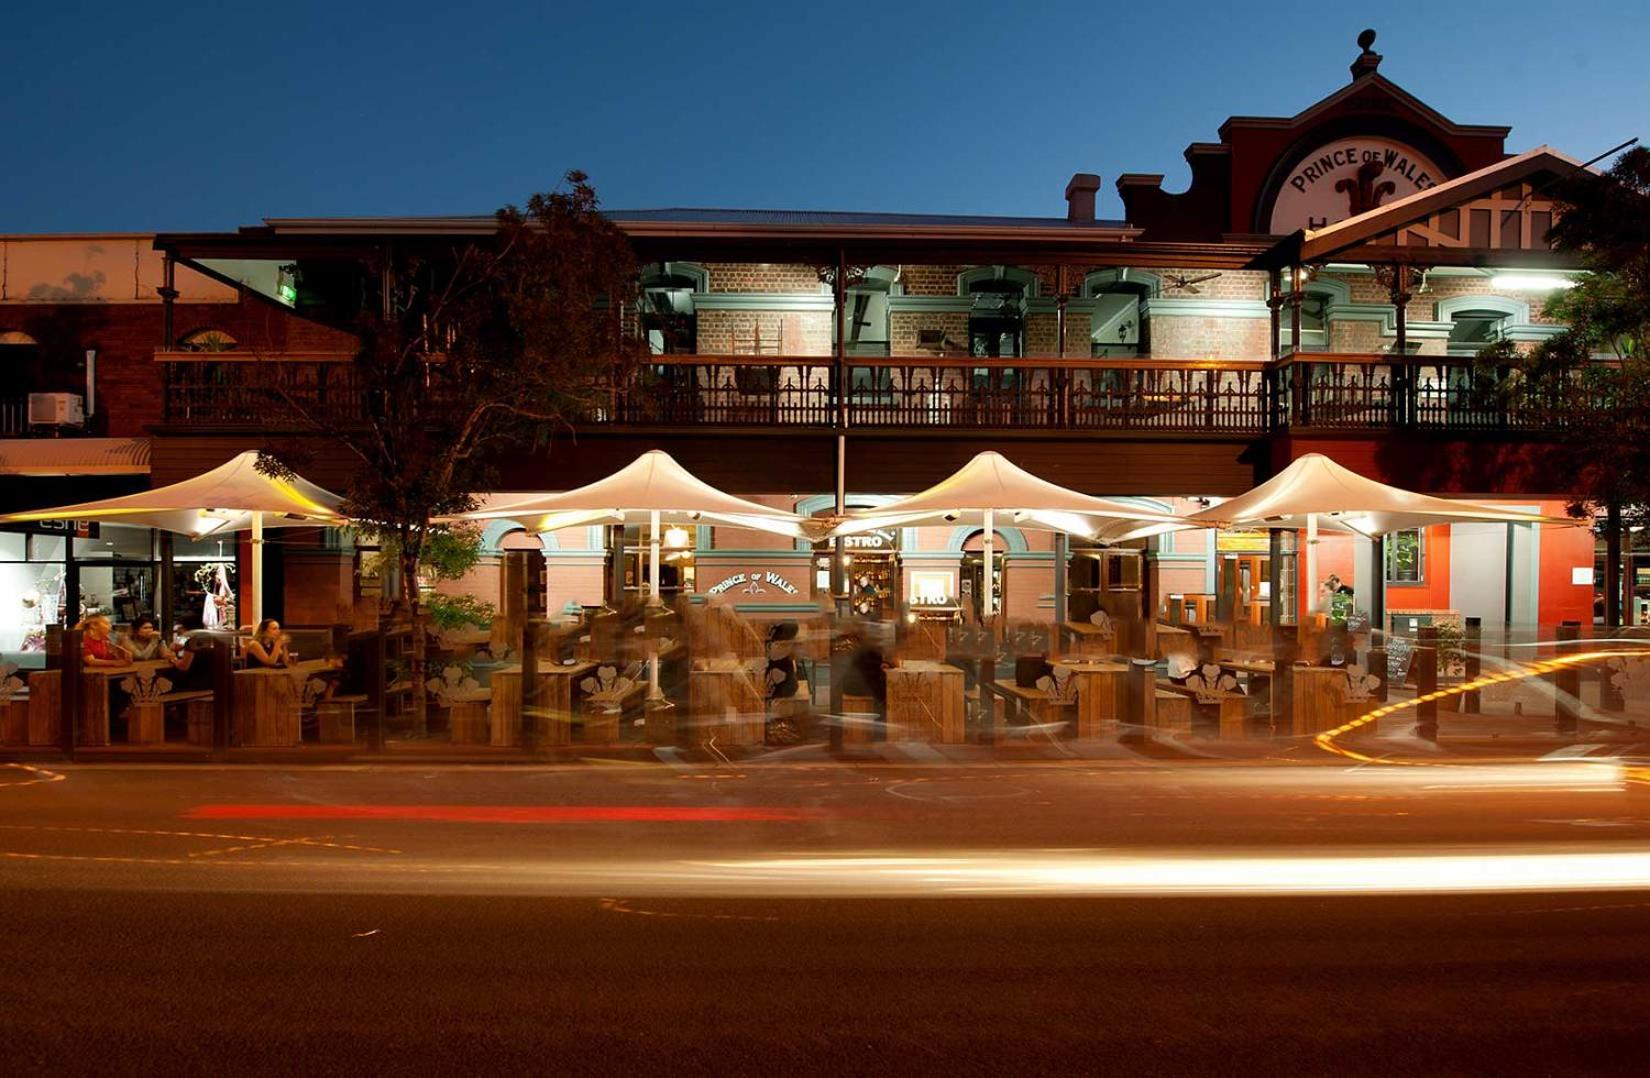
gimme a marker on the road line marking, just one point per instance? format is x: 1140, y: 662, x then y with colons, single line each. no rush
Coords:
x: 40, y: 773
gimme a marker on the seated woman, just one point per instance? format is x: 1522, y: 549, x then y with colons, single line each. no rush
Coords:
x: 269, y: 647
x: 145, y: 643
x: 97, y: 648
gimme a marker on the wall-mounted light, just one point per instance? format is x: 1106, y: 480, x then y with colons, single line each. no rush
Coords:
x: 1519, y: 282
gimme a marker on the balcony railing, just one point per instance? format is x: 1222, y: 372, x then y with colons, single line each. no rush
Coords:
x: 941, y: 394
x: 1230, y: 398
x: 1359, y: 392
x: 225, y: 389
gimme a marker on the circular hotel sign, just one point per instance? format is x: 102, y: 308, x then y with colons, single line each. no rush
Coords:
x: 1347, y: 177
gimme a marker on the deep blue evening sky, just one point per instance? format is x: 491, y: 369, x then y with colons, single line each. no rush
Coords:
x: 191, y: 116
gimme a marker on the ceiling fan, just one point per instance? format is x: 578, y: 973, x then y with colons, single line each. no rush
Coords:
x: 1189, y: 284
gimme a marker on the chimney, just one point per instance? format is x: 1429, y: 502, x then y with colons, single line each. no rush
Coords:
x: 1080, y: 194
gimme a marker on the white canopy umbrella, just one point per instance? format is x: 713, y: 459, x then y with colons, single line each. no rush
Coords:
x: 232, y: 497
x: 990, y: 488
x: 1314, y: 493
x: 653, y: 489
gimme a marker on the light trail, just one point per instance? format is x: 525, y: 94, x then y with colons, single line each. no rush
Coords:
x: 1327, y: 740
x: 1507, y: 869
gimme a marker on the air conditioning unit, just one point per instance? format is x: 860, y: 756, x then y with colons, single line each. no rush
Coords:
x: 56, y: 410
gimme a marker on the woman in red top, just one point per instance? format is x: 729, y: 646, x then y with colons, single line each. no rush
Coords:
x: 96, y: 648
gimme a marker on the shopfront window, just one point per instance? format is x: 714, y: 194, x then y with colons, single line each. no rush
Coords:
x: 117, y: 573
x: 31, y: 595
x: 204, y: 582
x: 1406, y: 557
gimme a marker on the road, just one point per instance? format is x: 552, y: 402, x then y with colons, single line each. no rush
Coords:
x: 1278, y: 915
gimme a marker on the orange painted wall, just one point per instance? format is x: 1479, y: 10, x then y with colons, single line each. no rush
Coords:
x: 1563, y: 549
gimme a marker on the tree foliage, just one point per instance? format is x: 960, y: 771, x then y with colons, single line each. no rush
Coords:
x: 470, y: 349
x: 1591, y: 383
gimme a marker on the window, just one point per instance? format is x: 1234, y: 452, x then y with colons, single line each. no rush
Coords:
x: 1406, y: 557
x: 1471, y: 331
x: 668, y: 318
x: 997, y: 313
x: 867, y: 312
x: 1120, y: 327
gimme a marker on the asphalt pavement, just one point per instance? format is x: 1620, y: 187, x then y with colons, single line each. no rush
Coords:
x: 1282, y: 916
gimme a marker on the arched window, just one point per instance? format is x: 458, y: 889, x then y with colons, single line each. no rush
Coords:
x: 1120, y: 326
x: 1477, y: 321
x: 668, y: 319
x: 997, y: 315
x: 207, y: 340
x: 1472, y: 330
x: 866, y: 315
x: 867, y: 312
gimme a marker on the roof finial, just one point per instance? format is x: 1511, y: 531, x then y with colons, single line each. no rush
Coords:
x: 1369, y: 60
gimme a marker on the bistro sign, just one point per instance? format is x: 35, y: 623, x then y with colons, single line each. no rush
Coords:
x: 1345, y: 178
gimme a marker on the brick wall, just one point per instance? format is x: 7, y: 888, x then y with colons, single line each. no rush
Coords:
x: 763, y: 277
x: 1174, y: 337
x: 130, y: 384
x: 799, y: 333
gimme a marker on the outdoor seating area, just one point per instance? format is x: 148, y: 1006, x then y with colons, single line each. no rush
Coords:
x: 1120, y: 660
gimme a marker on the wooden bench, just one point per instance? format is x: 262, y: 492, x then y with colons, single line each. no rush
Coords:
x: 335, y: 719
x: 14, y: 720
x: 603, y: 711
x: 45, y: 707
x: 1230, y: 710
x: 1171, y: 712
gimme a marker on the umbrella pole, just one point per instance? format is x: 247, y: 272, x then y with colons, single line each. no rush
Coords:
x: 989, y: 601
x: 257, y: 568
x: 1312, y: 563
x: 653, y: 599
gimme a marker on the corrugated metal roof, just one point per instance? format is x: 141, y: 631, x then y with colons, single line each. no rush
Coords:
x: 713, y: 218
x: 689, y: 215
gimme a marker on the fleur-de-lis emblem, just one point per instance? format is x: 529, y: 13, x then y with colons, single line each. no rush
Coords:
x: 1211, y: 683
x: 1360, y: 685
x: 313, y: 690
x: 145, y: 686
x: 753, y: 586
x: 10, y: 685
x: 1363, y: 193
x: 610, y: 686
x: 1060, y: 686
x: 455, y: 686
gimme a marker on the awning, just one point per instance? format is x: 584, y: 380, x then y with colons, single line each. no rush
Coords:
x: 74, y: 456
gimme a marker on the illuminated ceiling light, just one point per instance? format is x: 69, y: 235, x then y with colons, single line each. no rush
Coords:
x: 1519, y: 282
x: 676, y: 537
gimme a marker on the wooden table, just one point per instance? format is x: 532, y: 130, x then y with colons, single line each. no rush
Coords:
x: 269, y: 703
x: 1319, y: 699
x: 926, y: 702
x: 1102, y: 697
x: 94, y: 697
x: 725, y: 703
x: 1086, y: 640
x: 556, y: 692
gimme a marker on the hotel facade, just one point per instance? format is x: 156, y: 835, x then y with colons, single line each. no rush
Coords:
x: 1322, y: 285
